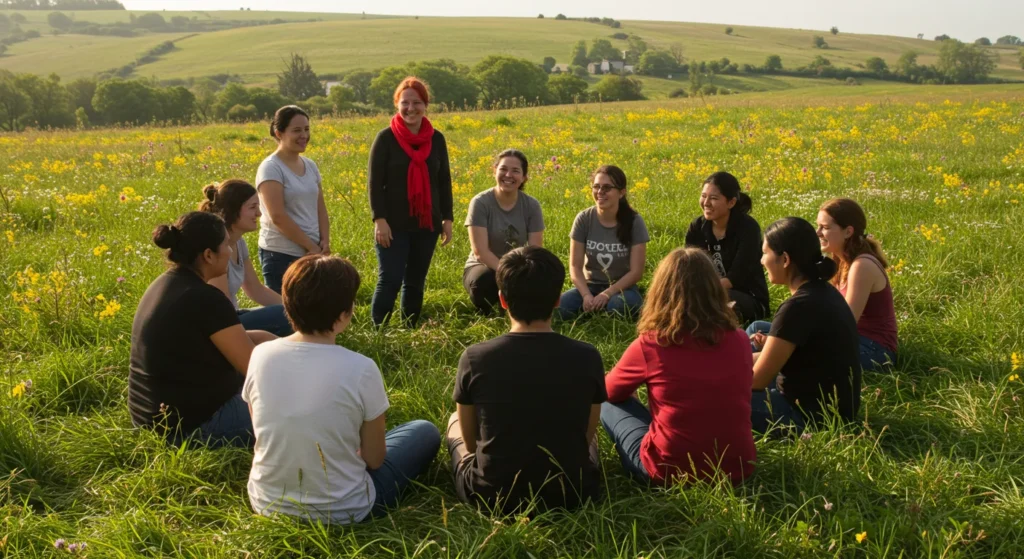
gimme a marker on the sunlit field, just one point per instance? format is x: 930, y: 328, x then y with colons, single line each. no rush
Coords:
x: 933, y: 469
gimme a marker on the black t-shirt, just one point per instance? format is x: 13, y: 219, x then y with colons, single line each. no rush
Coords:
x: 737, y: 256
x: 825, y: 362
x: 388, y: 176
x: 533, y: 393
x: 173, y: 360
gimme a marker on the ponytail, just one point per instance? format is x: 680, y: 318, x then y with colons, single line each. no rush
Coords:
x: 848, y: 213
x: 625, y: 218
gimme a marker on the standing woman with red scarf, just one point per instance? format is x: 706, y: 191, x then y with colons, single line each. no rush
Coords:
x: 410, y: 185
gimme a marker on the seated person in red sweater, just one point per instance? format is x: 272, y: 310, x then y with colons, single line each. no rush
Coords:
x: 528, y: 401
x: 697, y: 366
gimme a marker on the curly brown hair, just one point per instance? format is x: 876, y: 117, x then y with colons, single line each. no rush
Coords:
x: 686, y: 297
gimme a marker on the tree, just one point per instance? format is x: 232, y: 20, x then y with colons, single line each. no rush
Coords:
x: 359, y: 82
x: 504, y: 77
x: 341, y: 98
x: 567, y: 88
x: 242, y: 113
x: 180, y: 22
x: 80, y: 94
x: 619, y: 88
x: 819, y: 42
x: 59, y: 20
x: 14, y: 104
x: 450, y: 83
x: 540, y: 16
x: 818, y: 63
x: 578, y: 56
x: 773, y: 63
x: 267, y: 101
x: 50, y: 104
x: 18, y: 18
x: 696, y: 79
x: 1009, y: 40
x: 983, y: 42
x: 298, y: 80
x: 637, y: 47
x: 177, y: 104
x: 601, y: 49
x: 728, y: 30
x: 578, y: 71
x: 549, y: 63
x: 920, y: 35
x: 877, y: 66
x: 561, y: 16
x: 961, y: 63
x: 205, y: 91
x: 907, y: 66
x: 232, y: 94
x: 120, y: 101
x: 676, y: 50
x: 151, y: 21
x: 5, y: 23
x: 656, y: 63
x: 834, y: 30
x: 942, y: 37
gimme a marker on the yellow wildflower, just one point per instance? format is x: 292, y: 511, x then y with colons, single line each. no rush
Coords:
x: 861, y: 537
x: 10, y: 236
x: 99, y: 250
x: 1016, y: 361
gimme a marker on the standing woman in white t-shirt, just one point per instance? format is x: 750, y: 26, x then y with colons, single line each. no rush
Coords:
x: 237, y: 203
x: 295, y: 221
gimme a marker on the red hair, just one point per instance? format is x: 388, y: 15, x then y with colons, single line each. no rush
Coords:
x: 413, y: 83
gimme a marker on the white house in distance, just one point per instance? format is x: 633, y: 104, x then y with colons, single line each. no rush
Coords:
x: 609, y: 67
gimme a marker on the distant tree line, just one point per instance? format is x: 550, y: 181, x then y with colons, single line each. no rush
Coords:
x: 613, y: 23
x: 71, y: 5
x: 153, y: 22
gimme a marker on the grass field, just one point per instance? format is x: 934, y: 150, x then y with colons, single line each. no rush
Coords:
x: 344, y: 42
x: 934, y: 469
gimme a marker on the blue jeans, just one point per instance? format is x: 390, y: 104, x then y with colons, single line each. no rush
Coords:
x: 271, y: 319
x: 769, y: 407
x: 230, y: 425
x: 403, y: 265
x: 628, y: 302
x: 411, y: 448
x: 874, y: 356
x: 274, y: 265
x: 627, y: 423
x: 762, y: 326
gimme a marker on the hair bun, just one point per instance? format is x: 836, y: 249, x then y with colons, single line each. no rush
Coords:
x: 210, y: 191
x: 826, y: 268
x: 166, y: 236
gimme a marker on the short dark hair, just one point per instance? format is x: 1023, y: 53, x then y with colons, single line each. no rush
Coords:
x: 796, y: 237
x: 530, y: 278
x: 316, y: 290
x: 189, y: 237
x: 226, y: 199
x: 283, y: 117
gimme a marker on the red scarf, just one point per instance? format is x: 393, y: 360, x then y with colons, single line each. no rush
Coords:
x: 417, y: 147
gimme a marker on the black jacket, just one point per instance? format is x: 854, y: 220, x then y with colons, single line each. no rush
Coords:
x: 740, y: 251
x: 387, y: 176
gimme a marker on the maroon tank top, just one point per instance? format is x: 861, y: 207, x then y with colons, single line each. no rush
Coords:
x: 878, y: 321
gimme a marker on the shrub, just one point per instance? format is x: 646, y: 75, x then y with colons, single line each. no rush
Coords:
x: 728, y: 30
x: 677, y: 93
x: 773, y: 63
x: 619, y: 88
x: 852, y: 81
x: 819, y: 42
x: 983, y: 42
x: 834, y: 30
x: 242, y: 113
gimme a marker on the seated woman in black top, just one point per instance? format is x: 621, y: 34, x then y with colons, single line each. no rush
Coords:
x: 813, y: 346
x: 189, y: 351
x: 733, y: 240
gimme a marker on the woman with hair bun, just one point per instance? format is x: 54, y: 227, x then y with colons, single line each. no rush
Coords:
x: 189, y: 351
x: 295, y: 221
x: 238, y: 204
x: 812, y: 346
x: 861, y: 280
x: 733, y: 240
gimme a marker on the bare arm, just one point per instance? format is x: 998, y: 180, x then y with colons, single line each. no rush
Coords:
x: 323, y: 222
x: 235, y: 345
x: 862, y: 277
x: 770, y: 360
x: 255, y: 290
x: 535, y: 239
x: 595, y: 418
x: 467, y: 422
x: 577, y: 253
x: 272, y: 194
x: 482, y: 251
x: 371, y: 442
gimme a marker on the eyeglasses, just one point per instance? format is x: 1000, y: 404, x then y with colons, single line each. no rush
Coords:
x: 604, y: 188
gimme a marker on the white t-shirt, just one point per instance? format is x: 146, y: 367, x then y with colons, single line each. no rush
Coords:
x: 236, y: 270
x: 308, y: 402
x: 301, y: 202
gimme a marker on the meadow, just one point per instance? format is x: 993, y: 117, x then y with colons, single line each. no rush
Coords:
x: 934, y: 467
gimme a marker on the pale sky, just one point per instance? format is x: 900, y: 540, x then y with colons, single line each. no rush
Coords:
x: 963, y: 19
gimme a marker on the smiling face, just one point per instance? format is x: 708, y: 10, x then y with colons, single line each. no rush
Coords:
x: 248, y: 217
x: 775, y: 265
x: 295, y: 137
x: 831, y: 236
x: 411, y: 108
x: 606, y: 195
x: 715, y: 205
x: 508, y: 174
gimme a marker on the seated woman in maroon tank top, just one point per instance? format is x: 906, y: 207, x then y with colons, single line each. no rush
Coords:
x: 697, y: 366
x: 861, y: 279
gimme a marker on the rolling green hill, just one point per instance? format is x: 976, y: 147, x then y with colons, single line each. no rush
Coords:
x: 340, y: 42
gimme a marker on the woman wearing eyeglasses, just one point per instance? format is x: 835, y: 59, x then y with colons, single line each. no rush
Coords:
x: 607, y: 251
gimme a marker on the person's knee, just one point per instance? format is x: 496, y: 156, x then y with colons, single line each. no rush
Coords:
x: 427, y: 432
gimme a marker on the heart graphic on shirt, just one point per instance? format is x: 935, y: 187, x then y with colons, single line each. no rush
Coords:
x: 605, y: 260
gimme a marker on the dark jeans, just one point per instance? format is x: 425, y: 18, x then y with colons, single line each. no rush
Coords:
x: 482, y: 286
x: 769, y: 407
x: 626, y: 303
x: 411, y: 447
x: 627, y: 423
x: 230, y: 425
x: 274, y: 265
x: 271, y: 319
x: 873, y: 355
x: 403, y: 265
x: 746, y: 307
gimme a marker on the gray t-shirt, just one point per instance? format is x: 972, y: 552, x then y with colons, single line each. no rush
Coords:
x: 236, y: 270
x: 605, y: 259
x: 506, y: 230
x: 301, y: 197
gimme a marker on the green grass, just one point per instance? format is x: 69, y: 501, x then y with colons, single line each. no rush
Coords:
x: 933, y: 469
x: 344, y: 42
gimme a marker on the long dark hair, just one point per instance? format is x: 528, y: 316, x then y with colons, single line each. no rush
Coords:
x: 796, y: 237
x: 730, y: 188
x: 848, y: 213
x: 522, y: 159
x: 189, y: 237
x: 626, y: 215
x: 226, y: 199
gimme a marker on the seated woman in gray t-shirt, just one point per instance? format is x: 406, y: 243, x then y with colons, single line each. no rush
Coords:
x: 237, y: 203
x: 499, y: 219
x: 607, y: 251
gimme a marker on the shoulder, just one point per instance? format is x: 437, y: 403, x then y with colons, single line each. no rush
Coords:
x: 437, y: 137
x: 583, y: 218
x: 746, y: 223
x: 270, y: 169
x: 578, y: 347
x: 269, y: 161
x: 638, y: 220
x: 309, y: 162
x: 697, y: 224
x: 530, y: 201
x: 385, y: 134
